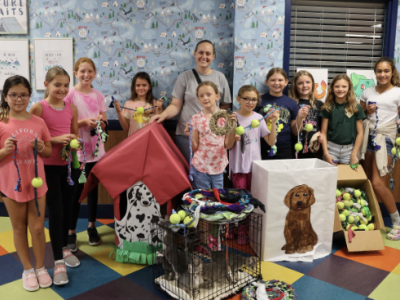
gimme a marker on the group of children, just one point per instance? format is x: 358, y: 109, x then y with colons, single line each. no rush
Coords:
x: 66, y: 114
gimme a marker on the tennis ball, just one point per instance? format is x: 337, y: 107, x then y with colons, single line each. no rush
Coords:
x: 342, y: 217
x: 394, y: 151
x: 140, y: 110
x: 340, y: 205
x: 354, y: 227
x: 351, y: 219
x: 347, y: 203
x: 361, y: 202
x: 369, y: 218
x: 357, y: 193
x: 255, y: 123
x: 371, y: 226
x: 345, y: 212
x: 198, y: 196
x: 37, y: 182
x: 174, y: 218
x: 338, y: 193
x: 308, y: 127
x: 357, y: 219
x: 298, y: 147
x: 347, y: 227
x: 364, y: 222
x: 187, y: 220
x: 363, y: 212
x: 398, y: 141
x: 362, y: 227
x: 346, y: 196
x: 239, y: 130
x: 74, y: 143
x: 182, y: 214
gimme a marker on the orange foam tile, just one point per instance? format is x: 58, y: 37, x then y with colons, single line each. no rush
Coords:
x: 105, y: 221
x: 386, y: 259
x: 3, y: 251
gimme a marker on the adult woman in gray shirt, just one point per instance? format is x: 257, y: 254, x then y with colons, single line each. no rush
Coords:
x: 184, y: 99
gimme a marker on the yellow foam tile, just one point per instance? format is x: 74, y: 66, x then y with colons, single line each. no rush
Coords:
x: 5, y: 224
x: 396, y: 270
x: 7, y: 239
x: 270, y: 270
x: 123, y: 269
x: 14, y: 290
x: 388, y: 289
x: 107, y: 235
x: 389, y: 243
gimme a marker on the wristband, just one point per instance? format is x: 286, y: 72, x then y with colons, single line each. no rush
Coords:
x: 40, y: 151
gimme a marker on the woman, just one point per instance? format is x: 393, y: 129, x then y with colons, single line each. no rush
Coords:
x: 184, y: 99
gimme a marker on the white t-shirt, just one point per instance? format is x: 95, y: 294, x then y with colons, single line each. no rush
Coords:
x: 387, y: 102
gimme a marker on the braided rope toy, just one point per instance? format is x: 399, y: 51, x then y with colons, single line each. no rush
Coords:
x: 164, y: 98
x: 37, y: 182
x: 376, y: 147
x: 82, y: 177
x: 68, y: 154
x: 18, y: 187
x: 395, y: 152
x: 271, y: 289
x: 101, y: 135
x: 191, y: 152
x: 229, y: 123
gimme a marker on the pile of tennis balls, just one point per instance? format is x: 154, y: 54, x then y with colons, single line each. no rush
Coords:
x: 353, y: 209
x: 178, y: 217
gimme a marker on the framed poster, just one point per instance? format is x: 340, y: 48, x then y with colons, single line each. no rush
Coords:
x: 14, y: 59
x: 14, y: 17
x: 321, y: 82
x: 361, y: 79
x: 50, y: 53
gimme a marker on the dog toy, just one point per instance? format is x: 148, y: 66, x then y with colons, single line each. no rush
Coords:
x: 18, y: 187
x: 37, y: 182
x: 308, y: 128
x: 212, y: 243
x: 182, y: 214
x: 395, y: 152
x: 189, y: 222
x: 174, y: 218
x: 191, y: 172
x: 376, y: 147
x: 164, y: 98
x: 265, y: 110
x: 101, y: 136
x: 215, y: 121
x: 82, y: 177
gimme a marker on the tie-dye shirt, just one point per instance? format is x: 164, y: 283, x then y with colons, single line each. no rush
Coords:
x: 89, y: 106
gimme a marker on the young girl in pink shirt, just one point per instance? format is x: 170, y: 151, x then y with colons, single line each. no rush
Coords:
x: 141, y: 95
x: 210, y: 155
x: 91, y: 109
x: 18, y: 131
x: 62, y: 120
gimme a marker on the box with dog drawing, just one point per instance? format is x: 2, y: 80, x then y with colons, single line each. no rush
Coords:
x: 362, y: 240
x: 299, y: 198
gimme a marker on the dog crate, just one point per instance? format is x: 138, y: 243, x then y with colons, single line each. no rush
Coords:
x: 211, y: 261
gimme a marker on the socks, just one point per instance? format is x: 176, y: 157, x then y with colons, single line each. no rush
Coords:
x: 28, y: 271
x: 395, y: 218
x: 60, y: 261
x: 42, y: 268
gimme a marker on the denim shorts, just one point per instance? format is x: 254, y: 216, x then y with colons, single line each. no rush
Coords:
x: 389, y: 146
x: 207, y: 181
x: 341, y: 154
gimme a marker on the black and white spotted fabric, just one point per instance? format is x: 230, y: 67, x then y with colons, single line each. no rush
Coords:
x: 142, y: 210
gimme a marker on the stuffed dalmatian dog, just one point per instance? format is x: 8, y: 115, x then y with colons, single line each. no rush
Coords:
x: 142, y: 210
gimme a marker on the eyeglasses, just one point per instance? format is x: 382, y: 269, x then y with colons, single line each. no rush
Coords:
x: 14, y: 97
x: 249, y: 100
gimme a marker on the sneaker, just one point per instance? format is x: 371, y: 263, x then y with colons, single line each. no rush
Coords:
x: 94, y: 238
x: 394, y: 234
x: 44, y: 278
x: 70, y: 260
x: 30, y: 282
x: 60, y: 273
x: 72, y: 242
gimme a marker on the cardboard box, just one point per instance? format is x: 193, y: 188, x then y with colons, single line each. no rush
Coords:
x: 363, y: 240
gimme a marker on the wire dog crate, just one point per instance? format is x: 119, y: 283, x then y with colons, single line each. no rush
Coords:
x: 212, y: 261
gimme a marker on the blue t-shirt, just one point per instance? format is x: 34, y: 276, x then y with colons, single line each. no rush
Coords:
x: 288, y: 112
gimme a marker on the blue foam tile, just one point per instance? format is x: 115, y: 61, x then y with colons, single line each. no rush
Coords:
x: 302, y: 267
x: 82, y: 225
x: 89, y: 275
x: 144, y: 278
x: 112, y: 225
x: 11, y: 269
x: 308, y: 288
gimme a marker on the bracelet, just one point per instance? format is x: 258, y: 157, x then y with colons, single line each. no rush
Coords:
x: 40, y: 151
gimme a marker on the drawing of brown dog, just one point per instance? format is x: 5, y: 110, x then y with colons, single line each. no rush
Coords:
x: 299, y: 233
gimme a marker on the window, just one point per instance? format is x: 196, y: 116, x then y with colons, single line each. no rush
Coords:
x: 336, y: 35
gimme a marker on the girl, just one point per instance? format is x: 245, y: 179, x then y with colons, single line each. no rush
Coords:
x: 141, y: 95
x: 210, y: 158
x: 240, y: 163
x: 290, y: 114
x: 341, y: 129
x: 302, y: 91
x: 18, y: 128
x: 386, y: 105
x: 62, y: 120
x: 91, y: 108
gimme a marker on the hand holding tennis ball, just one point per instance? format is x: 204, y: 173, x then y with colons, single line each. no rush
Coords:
x: 74, y: 144
x: 239, y: 130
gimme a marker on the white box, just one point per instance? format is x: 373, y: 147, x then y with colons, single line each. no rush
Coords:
x: 272, y: 180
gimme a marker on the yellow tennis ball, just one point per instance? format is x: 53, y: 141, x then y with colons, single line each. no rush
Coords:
x: 346, y: 212
x: 239, y: 130
x: 398, y: 141
x: 342, y: 217
x: 354, y: 227
x: 37, y: 182
x: 363, y: 227
x: 369, y: 218
x: 198, y: 196
x: 347, y: 203
x: 298, y: 147
x: 187, y: 220
x: 140, y: 110
x: 338, y: 193
x: 364, y: 222
x: 182, y: 214
x: 351, y: 219
x: 340, y: 205
x: 371, y: 226
x: 357, y: 193
x: 74, y: 144
x: 346, y: 196
x: 174, y: 218
x: 255, y: 123
x: 309, y: 127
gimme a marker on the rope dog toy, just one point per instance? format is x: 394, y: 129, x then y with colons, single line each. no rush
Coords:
x: 18, y: 187
x: 376, y: 147
x: 164, y: 98
x: 37, y: 182
x: 229, y: 124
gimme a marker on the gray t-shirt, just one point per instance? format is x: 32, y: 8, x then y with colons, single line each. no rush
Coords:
x: 185, y: 90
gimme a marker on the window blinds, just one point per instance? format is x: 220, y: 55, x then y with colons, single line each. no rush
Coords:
x: 336, y: 35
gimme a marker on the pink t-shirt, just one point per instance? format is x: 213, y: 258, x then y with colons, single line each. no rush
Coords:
x: 241, y: 162
x: 24, y: 132
x: 89, y: 106
x: 59, y: 123
x: 211, y: 157
x: 130, y: 114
